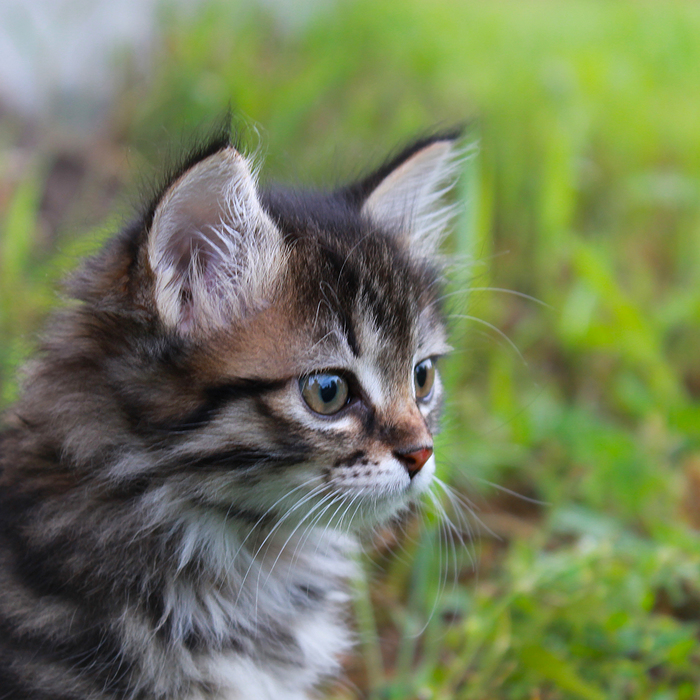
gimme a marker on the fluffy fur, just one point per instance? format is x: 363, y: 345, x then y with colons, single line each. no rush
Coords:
x: 176, y: 522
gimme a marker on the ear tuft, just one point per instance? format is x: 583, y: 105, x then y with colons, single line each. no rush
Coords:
x: 409, y: 198
x: 214, y: 252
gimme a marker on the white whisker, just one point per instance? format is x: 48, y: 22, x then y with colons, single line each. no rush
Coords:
x: 495, y: 329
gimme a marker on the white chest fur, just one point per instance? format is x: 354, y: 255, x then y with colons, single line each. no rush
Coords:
x: 287, y: 648
x: 232, y: 676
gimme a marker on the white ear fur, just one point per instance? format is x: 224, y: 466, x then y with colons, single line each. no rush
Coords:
x: 411, y: 199
x: 214, y: 251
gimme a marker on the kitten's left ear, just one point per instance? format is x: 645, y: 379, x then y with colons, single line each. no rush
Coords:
x: 407, y: 196
x: 214, y: 252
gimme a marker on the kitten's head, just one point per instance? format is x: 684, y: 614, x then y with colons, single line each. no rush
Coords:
x: 288, y: 339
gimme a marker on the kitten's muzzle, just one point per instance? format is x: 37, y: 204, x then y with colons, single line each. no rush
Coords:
x: 413, y: 461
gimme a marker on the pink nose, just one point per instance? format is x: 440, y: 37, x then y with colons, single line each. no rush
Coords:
x: 414, y: 461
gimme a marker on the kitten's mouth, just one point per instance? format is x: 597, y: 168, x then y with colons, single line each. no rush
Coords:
x: 397, y: 480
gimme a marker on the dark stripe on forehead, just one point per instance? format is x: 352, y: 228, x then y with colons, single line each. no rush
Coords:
x: 349, y: 332
x: 391, y: 297
x: 344, y: 281
x: 373, y: 279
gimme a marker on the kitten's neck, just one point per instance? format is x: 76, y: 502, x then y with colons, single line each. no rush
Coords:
x: 264, y: 580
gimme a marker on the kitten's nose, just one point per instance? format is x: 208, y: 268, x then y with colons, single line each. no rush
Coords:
x: 414, y: 461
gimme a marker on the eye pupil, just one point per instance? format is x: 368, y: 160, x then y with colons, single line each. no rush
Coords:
x: 421, y: 375
x: 327, y: 389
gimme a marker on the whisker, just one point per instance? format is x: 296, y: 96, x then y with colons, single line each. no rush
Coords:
x: 357, y: 508
x: 298, y: 525
x: 347, y: 510
x: 510, y: 492
x: 309, y: 496
x: 495, y: 329
x: 337, y: 500
x: 467, y: 505
x: 442, y: 566
x: 338, y: 503
x: 500, y: 290
x: 267, y: 512
x: 332, y: 496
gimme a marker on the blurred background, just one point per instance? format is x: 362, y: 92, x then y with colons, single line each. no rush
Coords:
x: 572, y: 435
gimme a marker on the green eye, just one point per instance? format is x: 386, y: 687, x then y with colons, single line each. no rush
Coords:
x: 424, y: 378
x: 324, y: 393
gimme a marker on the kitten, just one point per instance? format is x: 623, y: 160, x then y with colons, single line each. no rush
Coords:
x: 246, y: 382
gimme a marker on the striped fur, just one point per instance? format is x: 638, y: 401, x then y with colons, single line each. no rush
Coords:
x: 175, y: 521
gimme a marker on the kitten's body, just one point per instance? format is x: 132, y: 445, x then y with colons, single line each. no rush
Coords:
x: 176, y: 520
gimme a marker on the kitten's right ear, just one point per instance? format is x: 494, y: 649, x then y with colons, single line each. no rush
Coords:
x: 214, y: 252
x: 407, y: 196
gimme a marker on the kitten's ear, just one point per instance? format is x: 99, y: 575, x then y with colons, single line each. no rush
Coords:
x: 408, y: 195
x: 213, y: 250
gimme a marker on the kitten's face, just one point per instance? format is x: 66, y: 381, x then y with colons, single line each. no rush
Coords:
x: 314, y: 321
x: 350, y: 346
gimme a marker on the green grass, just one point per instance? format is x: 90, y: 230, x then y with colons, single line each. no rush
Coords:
x: 585, y: 195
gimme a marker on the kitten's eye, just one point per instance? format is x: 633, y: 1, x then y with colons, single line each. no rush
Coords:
x: 324, y: 393
x: 424, y: 378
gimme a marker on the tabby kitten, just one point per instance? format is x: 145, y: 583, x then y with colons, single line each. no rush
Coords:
x: 245, y: 382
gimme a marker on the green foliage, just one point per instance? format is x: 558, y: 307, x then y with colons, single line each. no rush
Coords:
x: 574, y: 302
x: 583, y: 621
